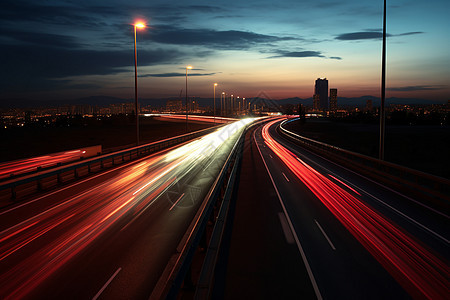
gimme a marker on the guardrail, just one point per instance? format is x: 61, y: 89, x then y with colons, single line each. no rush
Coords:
x: 179, y: 267
x: 45, y: 179
x: 26, y: 166
x: 436, y: 187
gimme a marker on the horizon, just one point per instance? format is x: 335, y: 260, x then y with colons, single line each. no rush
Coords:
x: 70, y: 50
x: 104, y: 100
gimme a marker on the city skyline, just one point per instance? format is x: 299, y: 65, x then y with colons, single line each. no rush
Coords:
x: 67, y: 50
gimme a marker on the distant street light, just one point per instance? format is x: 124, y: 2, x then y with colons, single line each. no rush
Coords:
x: 188, y: 67
x: 136, y: 25
x: 215, y: 84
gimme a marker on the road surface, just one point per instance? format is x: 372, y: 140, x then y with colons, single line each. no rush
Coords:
x: 356, y: 238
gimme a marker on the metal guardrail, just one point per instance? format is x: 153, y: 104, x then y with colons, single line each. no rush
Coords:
x: 435, y: 186
x: 58, y: 174
x: 178, y: 267
x: 205, y: 282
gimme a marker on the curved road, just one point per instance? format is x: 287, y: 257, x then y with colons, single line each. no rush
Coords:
x: 357, y: 238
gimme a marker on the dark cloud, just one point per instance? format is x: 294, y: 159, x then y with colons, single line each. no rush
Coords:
x: 175, y: 74
x: 335, y: 57
x: 230, y: 39
x: 409, y: 33
x: 297, y: 54
x: 363, y: 35
x: 369, y: 35
x: 35, y: 11
x: 416, y: 88
x: 30, y: 38
x: 23, y: 66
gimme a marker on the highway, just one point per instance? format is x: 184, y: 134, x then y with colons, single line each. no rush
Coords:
x: 356, y: 238
x: 303, y: 227
x: 112, y: 234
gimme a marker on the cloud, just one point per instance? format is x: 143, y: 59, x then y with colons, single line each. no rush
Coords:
x: 229, y: 39
x: 297, y: 54
x: 370, y: 35
x: 409, y: 33
x: 414, y: 88
x: 22, y: 66
x: 19, y: 37
x: 301, y: 54
x: 176, y: 74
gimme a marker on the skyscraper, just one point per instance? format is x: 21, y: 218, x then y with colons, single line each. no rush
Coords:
x: 333, y: 100
x: 321, y: 90
x: 316, y: 102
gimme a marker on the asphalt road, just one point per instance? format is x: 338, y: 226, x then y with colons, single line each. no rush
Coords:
x: 356, y: 238
x: 111, y: 235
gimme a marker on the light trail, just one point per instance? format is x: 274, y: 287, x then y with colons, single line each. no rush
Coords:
x: 417, y: 269
x: 207, y: 119
x: 31, y: 164
x: 74, y: 224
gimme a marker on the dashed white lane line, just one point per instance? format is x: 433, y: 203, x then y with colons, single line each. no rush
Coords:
x: 285, y: 177
x: 286, y: 230
x: 176, y: 202
x: 106, y: 284
x: 291, y: 226
x: 325, y: 235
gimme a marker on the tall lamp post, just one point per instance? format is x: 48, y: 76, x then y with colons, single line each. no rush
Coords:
x: 222, y: 103
x: 383, y: 87
x: 215, y: 84
x: 136, y: 25
x: 187, y: 68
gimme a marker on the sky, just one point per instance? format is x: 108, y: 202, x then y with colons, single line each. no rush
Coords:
x: 70, y: 49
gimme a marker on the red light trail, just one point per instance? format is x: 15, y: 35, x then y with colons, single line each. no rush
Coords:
x: 418, y: 270
x: 75, y: 223
x: 31, y: 164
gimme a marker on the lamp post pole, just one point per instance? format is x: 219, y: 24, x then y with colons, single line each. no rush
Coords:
x: 215, y: 84
x: 222, y: 103
x: 383, y: 87
x: 188, y: 67
x: 137, y: 25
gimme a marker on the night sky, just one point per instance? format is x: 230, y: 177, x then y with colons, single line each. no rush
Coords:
x: 70, y: 49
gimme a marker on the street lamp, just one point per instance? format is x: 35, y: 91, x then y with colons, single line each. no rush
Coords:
x: 222, y: 103
x: 139, y: 25
x: 187, y: 68
x: 215, y: 84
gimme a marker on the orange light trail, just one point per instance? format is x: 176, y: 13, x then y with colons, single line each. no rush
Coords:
x: 419, y: 271
x: 76, y: 222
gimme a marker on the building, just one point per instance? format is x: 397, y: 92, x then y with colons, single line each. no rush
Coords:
x: 193, y: 106
x: 316, y: 102
x: 333, y: 100
x: 174, y: 105
x: 321, y: 90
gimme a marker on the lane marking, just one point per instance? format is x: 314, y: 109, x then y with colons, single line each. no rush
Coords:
x: 291, y: 226
x: 285, y: 177
x: 432, y: 232
x: 326, y: 236
x: 270, y: 156
x: 176, y: 201
x: 286, y: 230
x: 106, y: 284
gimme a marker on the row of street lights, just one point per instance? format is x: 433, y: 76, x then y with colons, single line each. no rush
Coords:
x: 141, y: 25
